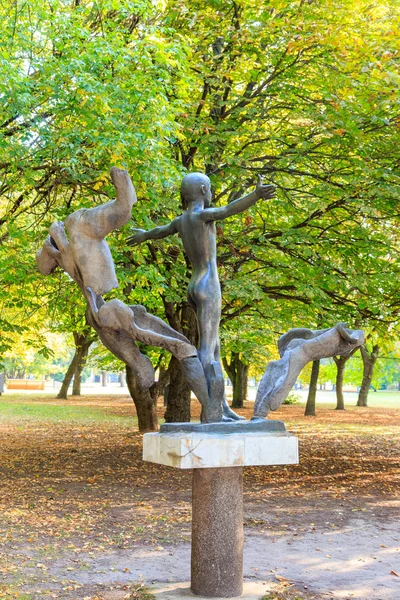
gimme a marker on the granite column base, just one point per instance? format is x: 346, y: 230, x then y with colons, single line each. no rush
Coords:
x: 217, y: 532
x: 217, y: 455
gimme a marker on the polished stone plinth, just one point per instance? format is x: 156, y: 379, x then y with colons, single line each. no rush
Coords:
x: 217, y: 457
x: 194, y: 450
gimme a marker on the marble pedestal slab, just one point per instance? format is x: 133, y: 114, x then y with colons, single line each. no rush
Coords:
x: 217, y: 460
x: 195, y: 450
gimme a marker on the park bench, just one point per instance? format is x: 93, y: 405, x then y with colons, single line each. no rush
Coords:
x: 25, y: 384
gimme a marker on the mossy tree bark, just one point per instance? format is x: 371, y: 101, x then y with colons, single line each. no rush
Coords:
x: 63, y: 393
x: 312, y: 390
x: 238, y: 372
x: 369, y: 359
x: 340, y: 362
x: 83, y: 341
x: 178, y: 395
x: 145, y: 401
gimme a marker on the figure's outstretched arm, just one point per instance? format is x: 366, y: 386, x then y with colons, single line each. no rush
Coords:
x: 141, y: 235
x: 114, y: 214
x: 237, y: 206
x: 126, y: 195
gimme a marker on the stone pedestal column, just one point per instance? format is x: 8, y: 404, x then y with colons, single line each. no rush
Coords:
x: 217, y: 454
x: 217, y: 532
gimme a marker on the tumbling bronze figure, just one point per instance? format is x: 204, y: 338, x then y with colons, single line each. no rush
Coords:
x: 296, y: 348
x: 86, y: 257
x: 196, y: 226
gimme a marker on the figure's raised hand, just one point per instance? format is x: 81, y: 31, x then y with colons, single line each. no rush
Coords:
x: 120, y: 178
x: 124, y: 186
x: 264, y: 191
x: 137, y: 238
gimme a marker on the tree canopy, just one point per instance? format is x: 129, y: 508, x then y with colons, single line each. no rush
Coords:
x: 304, y: 93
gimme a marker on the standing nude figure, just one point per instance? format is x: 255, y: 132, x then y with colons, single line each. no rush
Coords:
x: 196, y: 226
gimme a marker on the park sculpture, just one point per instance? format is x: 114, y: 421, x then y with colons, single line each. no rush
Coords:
x: 220, y: 446
x: 79, y: 247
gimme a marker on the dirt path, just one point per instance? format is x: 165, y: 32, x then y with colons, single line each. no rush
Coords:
x: 356, y: 561
x: 82, y: 517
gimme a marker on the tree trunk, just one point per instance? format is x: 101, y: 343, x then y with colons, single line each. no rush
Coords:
x: 238, y: 374
x: 122, y: 379
x: 312, y: 390
x: 76, y: 382
x: 15, y: 373
x: 63, y: 393
x: 179, y: 395
x: 369, y: 360
x: 83, y: 341
x: 145, y: 403
x: 240, y: 389
x: 103, y: 378
x: 340, y: 364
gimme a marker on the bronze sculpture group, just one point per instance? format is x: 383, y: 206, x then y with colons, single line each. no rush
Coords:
x: 79, y: 248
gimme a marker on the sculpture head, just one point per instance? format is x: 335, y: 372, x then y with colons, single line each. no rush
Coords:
x: 196, y: 186
x: 48, y: 257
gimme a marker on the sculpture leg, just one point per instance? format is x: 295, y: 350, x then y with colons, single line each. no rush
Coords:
x: 227, y: 412
x: 117, y: 315
x: 126, y: 350
x: 146, y: 320
x: 215, y: 382
x: 208, y: 314
x: 194, y: 375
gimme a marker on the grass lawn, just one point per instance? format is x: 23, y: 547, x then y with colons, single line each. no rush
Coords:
x: 381, y: 399
x: 20, y: 409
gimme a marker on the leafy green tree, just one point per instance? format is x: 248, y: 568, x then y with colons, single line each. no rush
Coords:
x: 82, y: 340
x: 373, y: 368
x: 233, y: 89
x: 83, y: 87
x: 369, y: 358
x: 279, y: 97
x: 38, y: 358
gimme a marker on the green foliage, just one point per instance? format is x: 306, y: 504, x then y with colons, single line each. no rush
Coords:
x: 389, y: 370
x: 38, y: 357
x: 292, y: 399
x: 328, y: 369
x: 233, y: 89
x: 83, y: 87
